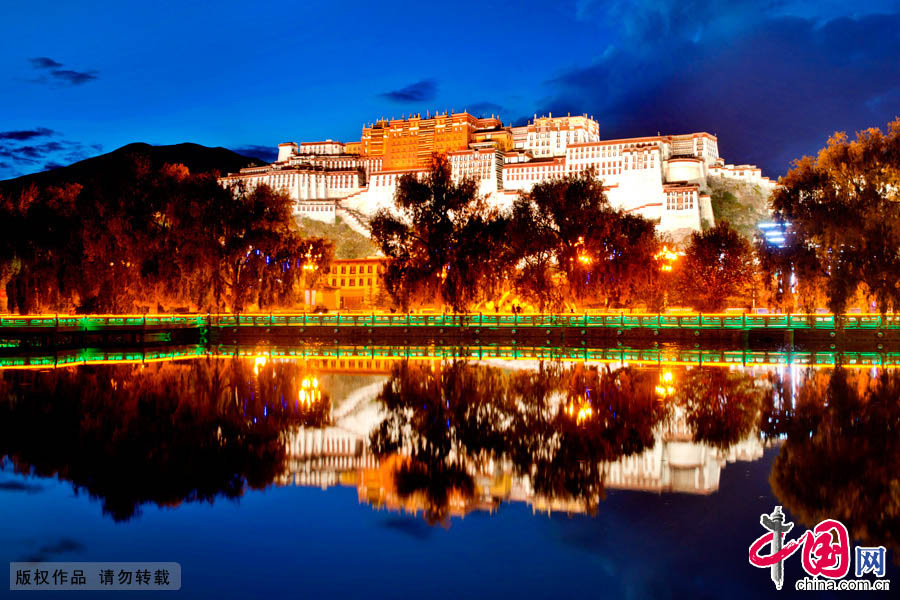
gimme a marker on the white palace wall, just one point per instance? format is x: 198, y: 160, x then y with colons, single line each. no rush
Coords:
x: 657, y: 177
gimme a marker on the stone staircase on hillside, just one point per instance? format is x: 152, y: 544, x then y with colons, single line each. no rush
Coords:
x: 354, y: 219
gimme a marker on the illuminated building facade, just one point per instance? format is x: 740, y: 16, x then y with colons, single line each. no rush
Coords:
x: 357, y: 282
x: 661, y: 177
x: 409, y: 143
x: 550, y: 136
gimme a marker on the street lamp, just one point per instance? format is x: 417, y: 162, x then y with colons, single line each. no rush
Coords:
x: 666, y: 259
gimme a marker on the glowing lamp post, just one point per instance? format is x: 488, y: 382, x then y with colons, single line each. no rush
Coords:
x: 666, y: 259
x: 309, y: 391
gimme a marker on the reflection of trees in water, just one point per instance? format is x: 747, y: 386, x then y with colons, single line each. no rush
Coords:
x: 722, y: 406
x: 555, y: 425
x: 164, y: 433
x: 841, y: 458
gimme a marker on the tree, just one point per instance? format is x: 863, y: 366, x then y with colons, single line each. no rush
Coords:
x: 843, y: 208
x: 441, y: 238
x: 722, y: 407
x: 261, y: 251
x: 571, y: 245
x: 718, y: 264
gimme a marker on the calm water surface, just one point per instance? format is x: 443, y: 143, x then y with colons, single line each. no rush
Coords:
x: 399, y: 477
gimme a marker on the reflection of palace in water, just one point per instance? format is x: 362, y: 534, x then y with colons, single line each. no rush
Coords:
x: 340, y: 455
x: 678, y: 464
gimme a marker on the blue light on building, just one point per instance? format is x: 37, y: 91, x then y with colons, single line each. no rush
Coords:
x: 775, y: 234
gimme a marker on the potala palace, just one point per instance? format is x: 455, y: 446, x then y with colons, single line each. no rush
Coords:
x: 660, y: 177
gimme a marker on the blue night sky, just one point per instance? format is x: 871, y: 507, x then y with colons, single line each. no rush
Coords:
x: 772, y: 79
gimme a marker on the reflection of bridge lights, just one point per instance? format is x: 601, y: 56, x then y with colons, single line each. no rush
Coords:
x: 665, y: 387
x: 580, y: 412
x: 309, y: 391
x: 259, y: 362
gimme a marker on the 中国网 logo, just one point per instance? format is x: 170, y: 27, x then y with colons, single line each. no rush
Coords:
x: 826, y: 553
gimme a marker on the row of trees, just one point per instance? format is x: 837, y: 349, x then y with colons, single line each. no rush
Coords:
x: 561, y: 246
x: 153, y: 238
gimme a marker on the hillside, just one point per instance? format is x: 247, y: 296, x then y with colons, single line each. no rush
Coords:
x: 195, y: 157
x: 742, y: 204
x: 347, y: 243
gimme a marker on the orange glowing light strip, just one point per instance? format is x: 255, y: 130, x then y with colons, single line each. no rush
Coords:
x: 468, y: 357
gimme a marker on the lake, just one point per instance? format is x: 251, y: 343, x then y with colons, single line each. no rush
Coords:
x: 332, y: 473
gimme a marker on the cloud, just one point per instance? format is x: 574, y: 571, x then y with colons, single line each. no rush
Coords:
x: 51, y: 72
x: 26, y: 134
x: 264, y: 153
x: 19, y: 157
x: 33, y: 152
x: 483, y: 109
x: 521, y: 121
x: 53, y: 549
x: 420, y: 91
x: 74, y: 77
x: 771, y: 87
x: 42, y: 62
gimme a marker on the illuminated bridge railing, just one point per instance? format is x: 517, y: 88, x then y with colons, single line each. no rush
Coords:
x: 340, y: 357
x: 609, y: 320
x: 98, y: 322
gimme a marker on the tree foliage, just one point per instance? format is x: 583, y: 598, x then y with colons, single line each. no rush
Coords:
x: 152, y: 238
x: 572, y: 246
x: 440, y: 238
x: 843, y: 211
x: 718, y: 264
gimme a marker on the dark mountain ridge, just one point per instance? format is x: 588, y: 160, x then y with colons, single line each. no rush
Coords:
x: 195, y: 157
